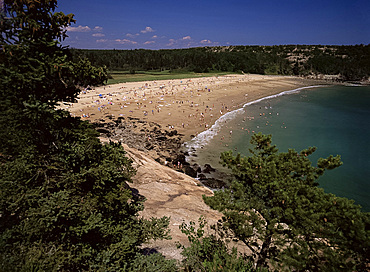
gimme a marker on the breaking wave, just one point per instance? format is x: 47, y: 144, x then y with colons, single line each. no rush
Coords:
x: 205, y: 137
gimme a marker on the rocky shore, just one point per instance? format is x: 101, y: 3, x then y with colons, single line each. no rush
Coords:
x: 163, y: 145
x: 157, y: 117
x: 170, y: 193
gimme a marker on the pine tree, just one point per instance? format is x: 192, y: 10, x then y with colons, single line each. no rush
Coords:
x: 275, y: 207
x: 211, y: 253
x: 65, y: 202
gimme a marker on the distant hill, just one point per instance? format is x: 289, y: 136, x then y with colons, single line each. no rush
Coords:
x: 342, y: 62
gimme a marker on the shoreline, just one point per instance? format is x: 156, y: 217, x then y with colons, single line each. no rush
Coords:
x: 188, y: 106
x: 211, y: 177
x: 203, y: 137
x: 159, y: 117
x: 168, y: 192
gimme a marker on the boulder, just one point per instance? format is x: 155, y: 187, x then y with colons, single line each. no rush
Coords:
x: 190, y: 171
x: 214, y: 183
x: 171, y: 133
x: 202, y: 177
x: 161, y: 138
x: 208, y: 169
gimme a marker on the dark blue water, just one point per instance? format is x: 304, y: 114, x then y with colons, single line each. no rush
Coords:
x: 334, y: 119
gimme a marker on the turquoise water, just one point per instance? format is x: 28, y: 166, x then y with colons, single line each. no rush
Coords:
x: 334, y: 119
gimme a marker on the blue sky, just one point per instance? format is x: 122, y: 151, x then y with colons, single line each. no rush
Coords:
x: 160, y: 24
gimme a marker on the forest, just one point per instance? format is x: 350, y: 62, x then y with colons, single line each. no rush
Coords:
x: 349, y: 63
x: 65, y: 198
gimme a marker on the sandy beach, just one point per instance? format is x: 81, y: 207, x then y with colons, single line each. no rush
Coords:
x: 156, y: 118
x: 188, y: 106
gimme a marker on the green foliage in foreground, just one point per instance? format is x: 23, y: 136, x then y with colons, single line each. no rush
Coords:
x: 276, y: 209
x: 65, y: 203
x: 209, y: 253
x: 33, y: 63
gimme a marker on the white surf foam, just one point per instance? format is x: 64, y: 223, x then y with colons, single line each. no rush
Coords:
x: 205, y: 137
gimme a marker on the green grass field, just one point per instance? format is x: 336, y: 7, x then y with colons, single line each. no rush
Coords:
x: 126, y: 76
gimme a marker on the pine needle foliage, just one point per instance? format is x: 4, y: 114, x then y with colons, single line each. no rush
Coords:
x: 65, y: 202
x: 277, y: 210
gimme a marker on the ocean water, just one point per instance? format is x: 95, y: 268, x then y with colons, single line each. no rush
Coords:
x: 334, y: 119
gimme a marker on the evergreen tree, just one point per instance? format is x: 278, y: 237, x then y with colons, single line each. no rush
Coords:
x: 34, y: 66
x: 65, y: 204
x: 275, y: 207
x: 211, y: 253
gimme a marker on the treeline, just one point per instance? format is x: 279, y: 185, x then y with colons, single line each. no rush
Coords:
x: 348, y: 62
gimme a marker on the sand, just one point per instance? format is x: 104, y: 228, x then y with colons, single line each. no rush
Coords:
x: 189, y: 106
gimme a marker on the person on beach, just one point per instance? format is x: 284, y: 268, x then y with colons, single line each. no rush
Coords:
x: 193, y: 117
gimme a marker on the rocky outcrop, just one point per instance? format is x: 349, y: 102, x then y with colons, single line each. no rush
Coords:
x: 164, y: 177
x: 160, y: 144
x: 169, y: 193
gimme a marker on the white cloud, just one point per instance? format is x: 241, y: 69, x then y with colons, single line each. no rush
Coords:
x: 188, y: 41
x: 205, y: 42
x: 98, y: 28
x: 125, y: 41
x: 171, y: 42
x: 132, y: 35
x: 184, y: 41
x: 79, y: 29
x: 101, y: 40
x: 149, y: 42
x: 147, y: 29
x: 98, y: 35
x: 155, y: 37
